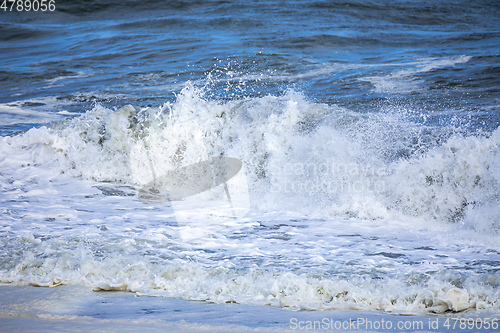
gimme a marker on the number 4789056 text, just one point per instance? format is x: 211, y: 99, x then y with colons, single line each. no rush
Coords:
x: 28, y: 5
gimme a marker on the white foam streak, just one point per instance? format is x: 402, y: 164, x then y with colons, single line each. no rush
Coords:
x: 406, y: 80
x: 11, y: 114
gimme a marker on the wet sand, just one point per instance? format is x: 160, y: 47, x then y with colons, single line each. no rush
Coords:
x: 78, y: 309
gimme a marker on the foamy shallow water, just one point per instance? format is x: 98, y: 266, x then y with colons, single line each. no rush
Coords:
x: 407, y: 236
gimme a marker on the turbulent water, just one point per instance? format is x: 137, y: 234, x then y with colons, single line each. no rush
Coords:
x: 368, y: 134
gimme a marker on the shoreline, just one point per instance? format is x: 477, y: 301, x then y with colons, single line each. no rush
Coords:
x: 76, y: 308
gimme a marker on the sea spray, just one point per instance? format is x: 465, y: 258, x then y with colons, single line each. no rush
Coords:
x: 298, y: 155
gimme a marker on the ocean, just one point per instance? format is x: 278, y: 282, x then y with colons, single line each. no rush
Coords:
x: 250, y: 165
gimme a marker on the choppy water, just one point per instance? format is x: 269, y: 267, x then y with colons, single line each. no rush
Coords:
x: 368, y: 134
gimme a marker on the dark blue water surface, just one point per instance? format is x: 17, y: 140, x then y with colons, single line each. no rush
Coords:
x: 439, y: 58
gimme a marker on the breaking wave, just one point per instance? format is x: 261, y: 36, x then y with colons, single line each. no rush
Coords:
x: 298, y: 155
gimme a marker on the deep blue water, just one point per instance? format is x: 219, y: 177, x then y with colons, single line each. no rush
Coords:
x: 118, y: 52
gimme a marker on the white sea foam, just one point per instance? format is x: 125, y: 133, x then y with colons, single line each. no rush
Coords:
x: 308, y: 291
x: 406, y: 80
x: 12, y: 114
x: 297, y: 155
x: 349, y: 211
